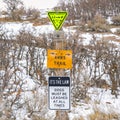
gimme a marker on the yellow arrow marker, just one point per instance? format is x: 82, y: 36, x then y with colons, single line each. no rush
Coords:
x: 57, y: 18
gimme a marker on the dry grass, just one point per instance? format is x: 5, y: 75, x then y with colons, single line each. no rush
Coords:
x: 6, y: 19
x: 35, y: 117
x: 80, y: 118
x: 41, y: 21
x: 98, y: 115
x: 116, y: 20
x: 112, y: 38
x: 117, y: 32
x: 36, y: 22
x: 2, y: 19
x: 61, y: 113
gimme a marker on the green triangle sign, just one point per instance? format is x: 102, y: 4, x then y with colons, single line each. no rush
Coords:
x: 57, y: 18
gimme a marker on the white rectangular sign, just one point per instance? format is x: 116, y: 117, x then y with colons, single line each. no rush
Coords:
x: 59, y: 93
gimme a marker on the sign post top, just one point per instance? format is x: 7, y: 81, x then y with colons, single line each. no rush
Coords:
x: 57, y: 18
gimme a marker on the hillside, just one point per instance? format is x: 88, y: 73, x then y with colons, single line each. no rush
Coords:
x: 94, y: 77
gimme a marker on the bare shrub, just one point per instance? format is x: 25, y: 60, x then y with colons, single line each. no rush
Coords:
x: 59, y: 115
x: 18, y: 13
x: 13, y: 70
x: 117, y: 32
x: 79, y: 118
x: 86, y: 10
x: 98, y: 24
x: 36, y: 105
x: 34, y: 55
x: 116, y: 20
x: 77, y: 73
x: 32, y: 14
x: 79, y: 92
x: 13, y: 7
x: 100, y: 59
x: 36, y: 117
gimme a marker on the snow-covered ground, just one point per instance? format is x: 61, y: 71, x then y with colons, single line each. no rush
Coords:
x: 16, y: 27
x: 100, y: 99
x: 12, y: 28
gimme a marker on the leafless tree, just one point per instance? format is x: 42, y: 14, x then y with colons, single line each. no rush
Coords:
x: 32, y: 14
x: 12, y: 6
x: 86, y: 10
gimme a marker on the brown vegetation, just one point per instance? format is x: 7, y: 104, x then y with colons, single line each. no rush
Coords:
x: 99, y: 115
x: 41, y: 21
x: 87, y: 10
x: 116, y: 20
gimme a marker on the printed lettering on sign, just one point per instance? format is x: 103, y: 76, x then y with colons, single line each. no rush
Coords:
x: 59, y: 59
x: 59, y: 93
x: 57, y: 18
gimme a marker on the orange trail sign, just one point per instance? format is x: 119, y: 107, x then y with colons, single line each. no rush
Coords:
x: 59, y: 59
x: 57, y: 18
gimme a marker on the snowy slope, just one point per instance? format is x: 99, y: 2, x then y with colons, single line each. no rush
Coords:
x: 100, y: 99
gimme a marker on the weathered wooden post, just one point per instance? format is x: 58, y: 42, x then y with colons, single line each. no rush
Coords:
x: 59, y: 43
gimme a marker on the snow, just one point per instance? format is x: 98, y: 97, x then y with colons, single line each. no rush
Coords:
x: 109, y: 20
x: 86, y: 38
x: 113, y: 30
x: 104, y: 98
x: 100, y: 99
x: 82, y: 110
x: 14, y: 28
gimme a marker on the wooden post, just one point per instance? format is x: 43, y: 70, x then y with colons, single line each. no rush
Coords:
x: 59, y: 43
